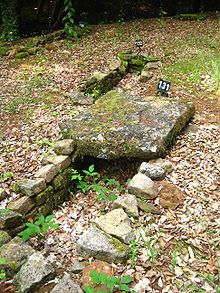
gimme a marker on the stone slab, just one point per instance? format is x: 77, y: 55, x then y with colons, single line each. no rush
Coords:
x: 119, y: 126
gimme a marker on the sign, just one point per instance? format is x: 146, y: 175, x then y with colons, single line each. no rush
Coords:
x: 163, y: 87
x: 139, y: 43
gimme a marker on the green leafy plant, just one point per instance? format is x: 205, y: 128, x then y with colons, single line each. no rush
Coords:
x: 38, y: 227
x: 3, y: 262
x: 112, y: 283
x: 7, y: 176
x: 134, y: 252
x: 69, y: 24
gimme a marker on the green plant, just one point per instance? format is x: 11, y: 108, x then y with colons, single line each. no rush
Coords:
x: 112, y: 283
x: 69, y: 24
x: 134, y: 252
x: 8, y: 10
x: 84, y: 180
x: 150, y: 243
x: 3, y: 262
x: 7, y: 176
x: 38, y: 227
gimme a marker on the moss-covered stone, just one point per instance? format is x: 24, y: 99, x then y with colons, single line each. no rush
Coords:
x: 4, y: 237
x: 62, y: 180
x: 44, y: 196
x: 119, y: 125
x: 21, y: 55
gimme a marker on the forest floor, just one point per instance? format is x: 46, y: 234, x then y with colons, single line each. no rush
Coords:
x: 183, y: 250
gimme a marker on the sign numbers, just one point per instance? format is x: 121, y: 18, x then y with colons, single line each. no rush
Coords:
x: 163, y: 87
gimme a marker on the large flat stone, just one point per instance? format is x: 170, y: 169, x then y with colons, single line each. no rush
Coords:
x: 118, y: 125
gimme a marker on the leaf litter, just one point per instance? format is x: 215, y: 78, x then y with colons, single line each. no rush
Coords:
x: 178, y: 250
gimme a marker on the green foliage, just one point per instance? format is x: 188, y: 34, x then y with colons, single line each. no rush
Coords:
x: 89, y: 181
x: 9, y: 20
x: 44, y: 141
x: 69, y: 23
x: 134, y: 252
x: 38, y: 227
x: 3, y: 262
x: 7, y: 176
x: 111, y: 282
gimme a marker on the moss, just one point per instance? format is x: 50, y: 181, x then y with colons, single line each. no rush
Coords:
x: 124, y: 56
x: 4, y: 50
x: 4, y: 237
x: 44, y: 196
x: 16, y: 185
x: 118, y: 245
x: 6, y: 212
x: 21, y: 55
x: 192, y: 16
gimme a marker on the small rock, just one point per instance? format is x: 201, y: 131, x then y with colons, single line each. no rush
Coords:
x: 4, y: 237
x: 3, y: 194
x: 171, y: 196
x: 66, y: 285
x: 60, y: 162
x: 115, y: 64
x: 16, y: 251
x: 65, y: 147
x: 9, y: 219
x: 34, y: 273
x: 97, y: 244
x: 145, y: 76
x: 154, y: 172
x: 128, y: 202
x: 77, y: 267
x: 21, y: 205
x: 142, y: 186
x: 31, y: 187
x: 148, y: 207
x: 165, y: 164
x: 79, y: 98
x: 100, y: 267
x: 116, y: 223
x: 47, y: 172
x: 153, y: 65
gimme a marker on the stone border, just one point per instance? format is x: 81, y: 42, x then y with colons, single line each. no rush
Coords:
x: 42, y: 194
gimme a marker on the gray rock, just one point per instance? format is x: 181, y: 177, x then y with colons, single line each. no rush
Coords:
x: 47, y: 172
x: 16, y: 251
x: 9, y: 219
x: 117, y: 224
x: 130, y: 127
x: 80, y: 99
x: 148, y: 207
x: 145, y: 76
x: 115, y: 64
x: 153, y: 171
x: 65, y: 147
x: 3, y: 194
x: 31, y: 187
x: 34, y: 273
x: 97, y: 244
x: 60, y: 162
x: 77, y: 267
x: 165, y: 164
x: 142, y: 186
x: 128, y: 202
x: 21, y: 205
x: 4, y: 237
x: 67, y: 285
